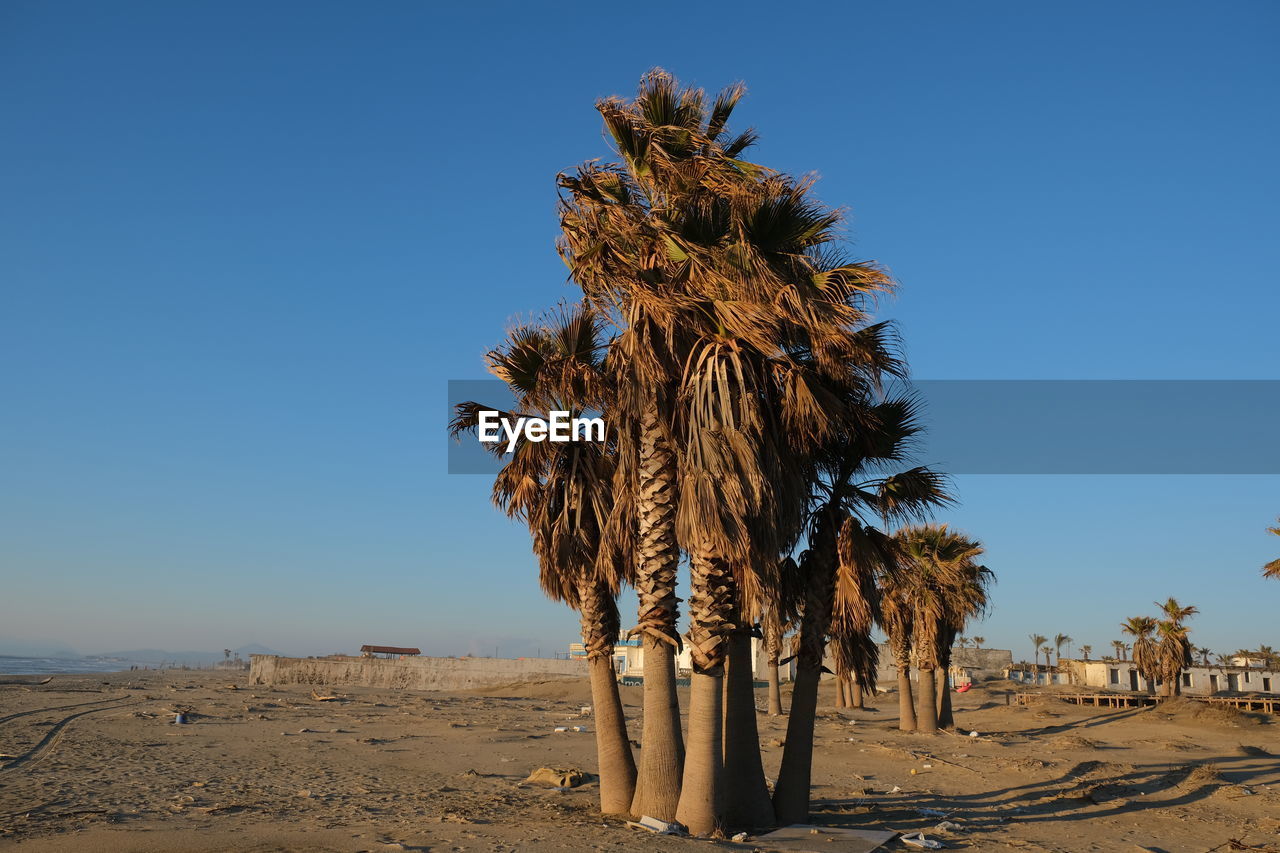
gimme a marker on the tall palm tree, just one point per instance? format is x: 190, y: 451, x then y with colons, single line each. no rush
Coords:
x: 563, y: 491
x: 1145, y: 655
x: 1119, y: 646
x: 774, y: 628
x: 978, y: 641
x: 1204, y: 655
x: 1037, y: 642
x: 967, y: 598
x: 1059, y: 641
x: 730, y: 304
x: 1175, y: 648
x: 1086, y: 651
x: 1272, y: 569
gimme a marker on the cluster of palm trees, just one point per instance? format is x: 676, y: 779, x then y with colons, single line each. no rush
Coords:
x: 728, y: 344
x: 1161, y: 647
x: 1040, y: 645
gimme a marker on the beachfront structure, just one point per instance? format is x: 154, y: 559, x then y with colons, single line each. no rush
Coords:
x: 967, y: 665
x: 1197, y: 680
x: 393, y: 652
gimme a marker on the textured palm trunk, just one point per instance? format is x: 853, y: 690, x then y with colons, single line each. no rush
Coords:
x: 791, y: 794
x: 858, y: 700
x: 773, y: 649
x: 946, y: 719
x: 906, y: 703
x: 927, y: 714
x: 701, y: 805
x: 662, y: 747
x: 842, y: 692
x: 616, y: 766
x: 613, y: 748
x: 746, y: 802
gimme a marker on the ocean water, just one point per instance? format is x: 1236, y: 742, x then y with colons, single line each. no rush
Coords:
x: 54, y: 666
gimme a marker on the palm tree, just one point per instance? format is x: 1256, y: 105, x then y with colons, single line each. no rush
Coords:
x: 1204, y: 655
x: 731, y: 305
x: 1175, y: 648
x: 1037, y: 642
x: 1145, y: 657
x: 774, y: 628
x: 938, y: 564
x: 1086, y: 651
x: 1119, y: 646
x: 1272, y: 569
x: 978, y: 641
x: 563, y: 491
x: 1059, y: 641
x: 836, y: 592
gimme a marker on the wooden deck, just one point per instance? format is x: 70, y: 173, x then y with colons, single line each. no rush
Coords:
x: 1266, y: 704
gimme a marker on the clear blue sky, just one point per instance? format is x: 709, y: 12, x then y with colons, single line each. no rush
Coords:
x: 243, y: 246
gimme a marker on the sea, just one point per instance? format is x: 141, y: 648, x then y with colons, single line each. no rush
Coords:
x: 54, y: 666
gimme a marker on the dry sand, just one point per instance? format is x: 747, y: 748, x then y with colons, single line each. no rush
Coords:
x: 94, y: 762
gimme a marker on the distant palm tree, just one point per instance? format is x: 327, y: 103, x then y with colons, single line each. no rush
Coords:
x: 1144, y: 648
x: 1037, y: 641
x: 1086, y: 651
x: 1204, y: 655
x: 1059, y: 641
x: 1119, y: 647
x: 945, y: 587
x: 978, y: 641
x: 1175, y: 648
x: 1272, y: 569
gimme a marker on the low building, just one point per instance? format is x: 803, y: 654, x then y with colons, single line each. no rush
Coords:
x: 392, y: 652
x: 1197, y: 680
x: 628, y: 659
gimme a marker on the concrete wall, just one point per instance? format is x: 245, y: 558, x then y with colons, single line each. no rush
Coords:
x: 979, y: 664
x: 418, y: 673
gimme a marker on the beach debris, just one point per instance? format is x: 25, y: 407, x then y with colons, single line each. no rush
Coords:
x: 948, y: 826
x: 661, y: 827
x: 558, y: 777
x: 740, y: 837
x: 316, y: 696
x: 919, y: 839
x: 179, y: 719
x: 928, y: 767
x: 973, y: 734
x: 306, y: 794
x: 561, y: 728
x: 585, y: 711
x: 577, y: 728
x: 895, y: 790
x: 932, y: 812
x: 803, y: 836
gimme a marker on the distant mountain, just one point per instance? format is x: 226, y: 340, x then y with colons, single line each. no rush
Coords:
x: 188, y: 658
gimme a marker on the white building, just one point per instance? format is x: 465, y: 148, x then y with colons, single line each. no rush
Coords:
x: 1197, y: 680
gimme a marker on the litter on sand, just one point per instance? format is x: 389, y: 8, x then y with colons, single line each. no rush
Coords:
x: 807, y: 838
x: 562, y: 778
x: 948, y: 826
x: 932, y: 812
x: 661, y: 827
x: 919, y: 839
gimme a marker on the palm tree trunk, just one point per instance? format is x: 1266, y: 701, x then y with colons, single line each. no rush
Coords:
x: 747, y: 803
x: 662, y: 747
x: 946, y: 716
x: 616, y: 766
x: 613, y: 748
x: 791, y: 794
x: 927, y: 714
x: 775, y: 689
x: 773, y: 649
x: 946, y: 719
x: 858, y: 700
x: 906, y: 704
x: 841, y: 701
x: 701, y: 805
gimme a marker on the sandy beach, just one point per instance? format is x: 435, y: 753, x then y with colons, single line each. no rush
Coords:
x: 95, y: 762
